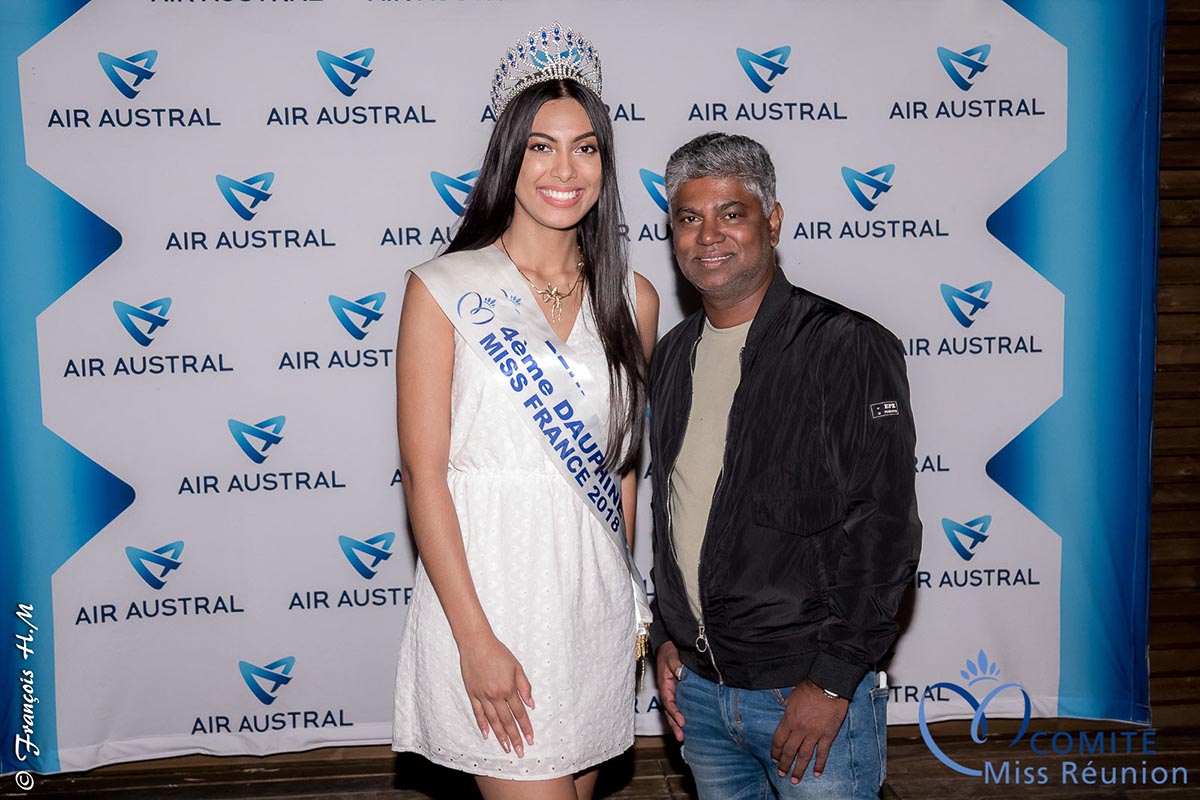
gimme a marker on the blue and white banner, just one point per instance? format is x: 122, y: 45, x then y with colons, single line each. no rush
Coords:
x: 210, y: 207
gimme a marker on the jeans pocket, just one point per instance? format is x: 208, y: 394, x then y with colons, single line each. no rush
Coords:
x: 879, y: 698
x: 780, y: 696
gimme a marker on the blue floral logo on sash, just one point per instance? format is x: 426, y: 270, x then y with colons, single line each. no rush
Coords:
x: 476, y: 309
x: 985, y: 674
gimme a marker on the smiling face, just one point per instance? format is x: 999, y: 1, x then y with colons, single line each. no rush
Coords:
x: 560, y: 178
x: 724, y: 243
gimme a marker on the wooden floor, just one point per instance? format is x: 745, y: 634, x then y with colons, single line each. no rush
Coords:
x: 653, y: 769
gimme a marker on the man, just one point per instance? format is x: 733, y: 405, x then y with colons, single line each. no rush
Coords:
x: 785, y: 517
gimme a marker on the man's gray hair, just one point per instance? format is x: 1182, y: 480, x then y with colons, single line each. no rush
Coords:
x: 724, y: 155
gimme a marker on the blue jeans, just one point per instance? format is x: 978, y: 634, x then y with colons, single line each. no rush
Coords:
x: 727, y: 743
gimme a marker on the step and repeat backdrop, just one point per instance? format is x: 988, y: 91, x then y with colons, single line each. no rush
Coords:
x: 209, y: 211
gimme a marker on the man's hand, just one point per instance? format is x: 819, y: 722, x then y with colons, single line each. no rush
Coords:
x: 809, y: 725
x: 667, y: 669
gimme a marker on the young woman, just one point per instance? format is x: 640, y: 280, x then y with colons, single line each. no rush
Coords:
x: 517, y: 661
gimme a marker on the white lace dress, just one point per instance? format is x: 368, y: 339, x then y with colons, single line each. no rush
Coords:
x: 552, y: 584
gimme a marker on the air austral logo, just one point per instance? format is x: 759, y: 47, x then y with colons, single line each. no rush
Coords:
x: 153, y: 566
x: 365, y: 309
x: 876, y: 181
x: 265, y: 681
x: 763, y: 68
x: 964, y: 304
x: 965, y: 539
x: 365, y: 557
x: 447, y: 185
x: 127, y: 74
x: 267, y: 433
x: 355, y: 66
x: 255, y: 190
x: 966, y: 536
x: 963, y: 67
x: 377, y: 549
x: 151, y: 316
x: 655, y: 187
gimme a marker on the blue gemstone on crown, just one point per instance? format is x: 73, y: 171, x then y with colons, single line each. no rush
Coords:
x: 524, y: 66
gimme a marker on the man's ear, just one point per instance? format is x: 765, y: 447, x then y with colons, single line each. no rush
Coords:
x: 776, y: 223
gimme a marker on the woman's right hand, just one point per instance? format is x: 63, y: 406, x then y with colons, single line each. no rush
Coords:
x: 499, y: 692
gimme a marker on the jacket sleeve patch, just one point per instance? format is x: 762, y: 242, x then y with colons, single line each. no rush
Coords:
x: 888, y: 408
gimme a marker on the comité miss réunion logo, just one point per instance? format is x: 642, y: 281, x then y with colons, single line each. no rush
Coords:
x: 128, y: 73
x: 763, y: 68
x: 245, y: 195
x: 344, y: 72
x: 963, y: 67
x: 983, y: 686
x: 264, y: 681
x: 153, y: 566
x: 256, y: 439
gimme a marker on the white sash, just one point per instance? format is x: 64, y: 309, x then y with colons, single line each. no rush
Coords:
x: 491, y: 306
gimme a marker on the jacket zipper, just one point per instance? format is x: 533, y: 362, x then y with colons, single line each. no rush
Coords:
x: 701, y: 644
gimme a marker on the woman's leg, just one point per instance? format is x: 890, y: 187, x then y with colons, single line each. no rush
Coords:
x: 553, y: 789
x: 585, y: 783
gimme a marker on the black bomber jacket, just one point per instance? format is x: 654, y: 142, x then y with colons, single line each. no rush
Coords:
x: 813, y: 532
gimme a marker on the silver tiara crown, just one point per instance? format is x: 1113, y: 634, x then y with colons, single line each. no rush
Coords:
x: 545, y: 55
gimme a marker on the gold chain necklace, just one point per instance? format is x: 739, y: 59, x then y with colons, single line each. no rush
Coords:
x: 550, y: 294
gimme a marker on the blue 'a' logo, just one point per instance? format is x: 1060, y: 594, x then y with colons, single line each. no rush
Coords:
x: 165, y: 559
x: 966, y: 536
x: 253, y: 189
x: 277, y: 673
x: 445, y: 184
x: 353, y: 65
x: 964, y: 304
x: 763, y: 68
x: 120, y: 71
x: 986, y: 674
x: 655, y: 185
x: 876, y: 181
x: 963, y: 67
x: 266, y: 432
x: 365, y: 308
x: 377, y: 549
x: 152, y: 314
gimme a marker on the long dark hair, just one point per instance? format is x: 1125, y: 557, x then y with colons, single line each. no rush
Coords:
x: 489, y: 212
